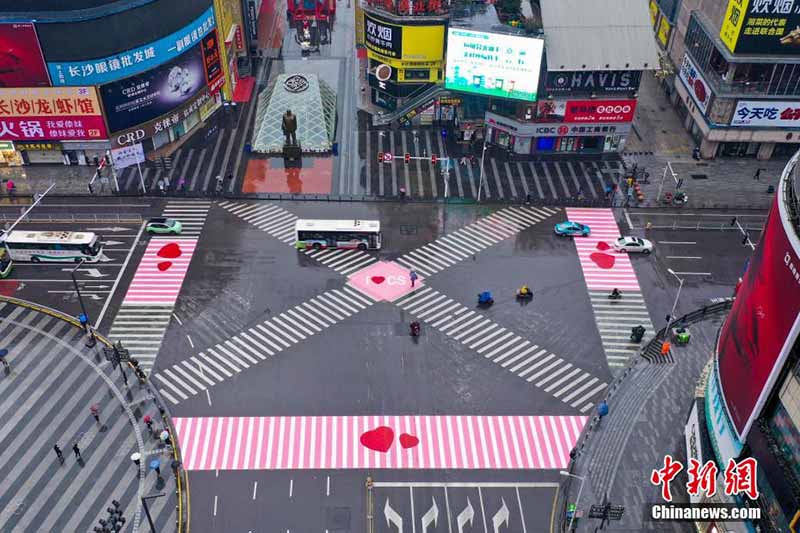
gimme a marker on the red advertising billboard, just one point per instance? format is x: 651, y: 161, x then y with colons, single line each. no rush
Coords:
x: 52, y: 113
x: 763, y: 323
x: 600, y: 111
x: 21, y: 63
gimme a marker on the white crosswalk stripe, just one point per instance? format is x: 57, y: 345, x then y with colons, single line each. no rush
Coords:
x: 141, y: 329
x: 572, y: 385
x: 267, y: 339
x: 191, y: 214
x: 615, y: 318
x: 454, y: 247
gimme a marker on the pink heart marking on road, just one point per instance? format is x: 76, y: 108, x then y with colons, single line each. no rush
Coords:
x: 378, y: 439
x: 377, y: 280
x: 408, y: 441
x: 603, y: 260
x: 164, y: 265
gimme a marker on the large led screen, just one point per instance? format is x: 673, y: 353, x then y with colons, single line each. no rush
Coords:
x: 493, y: 64
x: 762, y: 325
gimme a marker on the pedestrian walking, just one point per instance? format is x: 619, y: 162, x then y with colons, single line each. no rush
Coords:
x: 413, y: 277
x: 182, y: 185
x: 757, y: 175
x: 229, y: 178
x: 161, y: 186
x: 10, y: 187
x: 58, y: 453
x: 77, y: 451
x: 95, y: 413
x: 665, y: 347
x: 149, y: 423
x: 166, y: 182
x: 3, y: 354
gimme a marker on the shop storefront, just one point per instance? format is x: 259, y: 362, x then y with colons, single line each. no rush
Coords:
x: 44, y: 152
x: 9, y: 157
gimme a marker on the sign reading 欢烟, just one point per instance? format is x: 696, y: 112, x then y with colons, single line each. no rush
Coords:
x: 135, y: 60
x: 382, y: 37
x: 593, y: 81
x: 71, y: 113
x: 762, y: 27
x: 766, y: 113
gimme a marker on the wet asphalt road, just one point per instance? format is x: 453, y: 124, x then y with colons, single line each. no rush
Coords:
x: 368, y: 365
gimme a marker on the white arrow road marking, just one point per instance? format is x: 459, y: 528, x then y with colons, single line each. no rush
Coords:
x: 500, y: 517
x: 104, y: 258
x: 91, y: 272
x: 392, y: 517
x: 432, y: 515
x: 96, y: 286
x: 467, y: 515
x: 114, y: 229
x: 111, y: 243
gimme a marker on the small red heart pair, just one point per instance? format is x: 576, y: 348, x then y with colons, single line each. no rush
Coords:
x: 169, y: 251
x: 603, y: 260
x: 380, y: 439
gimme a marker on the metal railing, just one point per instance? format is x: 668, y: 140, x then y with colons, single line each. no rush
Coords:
x: 71, y: 218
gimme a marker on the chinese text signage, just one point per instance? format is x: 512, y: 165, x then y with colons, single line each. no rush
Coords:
x: 383, y: 38
x: 762, y: 27
x: 505, y: 66
x: 157, y: 92
x: 50, y: 113
x: 135, y: 60
x: 695, y: 84
x: 766, y: 113
x: 212, y: 62
x: 22, y: 63
x: 600, y: 111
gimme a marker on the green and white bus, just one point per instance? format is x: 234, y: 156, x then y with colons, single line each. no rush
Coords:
x: 36, y: 246
x: 5, y: 264
x: 319, y: 234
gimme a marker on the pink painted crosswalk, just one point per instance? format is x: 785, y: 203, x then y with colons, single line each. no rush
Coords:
x: 160, y: 274
x: 411, y: 442
x: 598, y: 271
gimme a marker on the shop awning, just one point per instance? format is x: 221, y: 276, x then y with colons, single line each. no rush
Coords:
x: 598, y: 35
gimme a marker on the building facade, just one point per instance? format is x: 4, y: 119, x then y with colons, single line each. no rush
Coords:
x: 737, y: 73
x: 94, y: 76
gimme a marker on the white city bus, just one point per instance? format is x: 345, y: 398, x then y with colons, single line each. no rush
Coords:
x: 35, y: 246
x: 318, y: 234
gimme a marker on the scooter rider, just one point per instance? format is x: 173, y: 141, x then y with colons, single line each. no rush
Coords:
x: 415, y: 328
x: 615, y: 293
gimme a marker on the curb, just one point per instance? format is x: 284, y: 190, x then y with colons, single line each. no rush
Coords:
x: 181, y: 492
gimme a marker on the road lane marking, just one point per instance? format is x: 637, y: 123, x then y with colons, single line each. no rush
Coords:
x: 694, y: 273
x: 683, y: 257
x: 291, y: 488
x: 255, y: 489
x: 677, y: 242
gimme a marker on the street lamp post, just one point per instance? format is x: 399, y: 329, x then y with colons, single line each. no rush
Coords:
x: 483, y: 155
x: 87, y: 325
x: 663, y: 177
x: 578, y: 499
x: 675, y: 303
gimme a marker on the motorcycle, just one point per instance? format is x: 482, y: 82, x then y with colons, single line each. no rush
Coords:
x: 415, y: 329
x: 527, y: 295
x: 485, y: 299
x: 615, y: 295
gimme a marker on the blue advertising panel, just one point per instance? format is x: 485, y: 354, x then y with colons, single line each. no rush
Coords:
x: 135, y: 60
x: 144, y: 97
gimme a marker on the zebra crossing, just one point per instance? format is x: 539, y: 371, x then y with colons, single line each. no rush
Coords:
x: 149, y: 302
x: 536, y: 365
x: 604, y: 270
x: 344, y: 442
x: 461, y: 244
x: 502, y: 178
x: 267, y: 339
x: 46, y: 398
x: 280, y: 223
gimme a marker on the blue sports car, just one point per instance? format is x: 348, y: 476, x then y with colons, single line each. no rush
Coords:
x: 571, y: 228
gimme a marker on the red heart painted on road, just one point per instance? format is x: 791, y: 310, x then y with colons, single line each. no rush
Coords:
x: 170, y: 251
x: 379, y: 439
x: 603, y: 246
x: 164, y: 265
x: 377, y: 280
x: 603, y: 260
x: 408, y: 441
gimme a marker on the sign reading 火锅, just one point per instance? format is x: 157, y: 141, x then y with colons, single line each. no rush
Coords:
x: 154, y: 93
x: 383, y: 38
x: 162, y: 123
x: 766, y: 113
x: 135, y: 60
x: 71, y: 113
x: 592, y: 81
x: 695, y: 84
x: 762, y: 27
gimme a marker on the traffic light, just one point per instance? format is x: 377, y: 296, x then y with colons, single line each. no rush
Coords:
x: 380, y: 157
x: 407, y: 158
x: 433, y: 159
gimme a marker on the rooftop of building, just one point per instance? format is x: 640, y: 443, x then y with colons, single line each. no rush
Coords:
x: 608, y: 35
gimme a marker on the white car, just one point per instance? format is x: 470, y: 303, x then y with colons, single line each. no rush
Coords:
x: 633, y: 244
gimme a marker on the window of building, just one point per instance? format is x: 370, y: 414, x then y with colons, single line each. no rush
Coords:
x: 417, y: 74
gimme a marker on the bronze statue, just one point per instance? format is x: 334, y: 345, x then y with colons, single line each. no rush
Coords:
x: 289, y: 127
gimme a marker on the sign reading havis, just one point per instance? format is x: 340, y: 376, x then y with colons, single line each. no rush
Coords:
x: 762, y: 27
x: 612, y: 81
x: 383, y: 38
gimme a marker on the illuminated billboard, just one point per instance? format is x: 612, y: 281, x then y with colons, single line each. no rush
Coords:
x: 763, y: 324
x: 492, y: 64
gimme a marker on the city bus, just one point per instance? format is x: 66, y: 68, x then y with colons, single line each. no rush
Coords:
x: 318, y: 234
x: 5, y: 264
x: 36, y: 246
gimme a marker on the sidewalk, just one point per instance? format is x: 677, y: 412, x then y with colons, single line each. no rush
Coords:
x: 53, y: 382
x: 648, y: 406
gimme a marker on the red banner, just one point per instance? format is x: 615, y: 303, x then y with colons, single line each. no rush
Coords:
x: 52, y: 128
x: 21, y: 63
x: 600, y: 111
x: 757, y: 335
